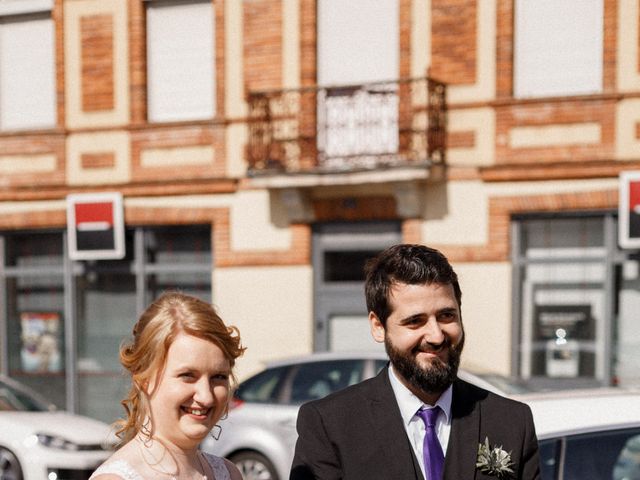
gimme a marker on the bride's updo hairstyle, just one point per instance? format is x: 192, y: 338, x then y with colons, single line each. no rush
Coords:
x: 145, y: 354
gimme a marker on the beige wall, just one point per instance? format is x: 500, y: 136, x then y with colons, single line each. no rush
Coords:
x: 272, y: 307
x: 456, y: 213
x: 486, y: 313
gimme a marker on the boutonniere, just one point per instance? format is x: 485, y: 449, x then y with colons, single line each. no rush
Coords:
x: 494, y: 461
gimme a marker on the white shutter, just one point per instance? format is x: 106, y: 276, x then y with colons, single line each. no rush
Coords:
x: 558, y: 47
x: 358, y: 41
x: 180, y: 61
x: 27, y: 74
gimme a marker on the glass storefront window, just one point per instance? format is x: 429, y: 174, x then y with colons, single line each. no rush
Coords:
x: 105, y: 298
x: 576, y: 298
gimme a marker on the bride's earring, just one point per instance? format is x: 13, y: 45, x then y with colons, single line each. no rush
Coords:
x: 215, y: 432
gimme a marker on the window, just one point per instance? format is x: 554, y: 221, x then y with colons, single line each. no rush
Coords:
x: 180, y: 61
x: 49, y: 301
x: 27, y: 69
x: 576, y: 298
x: 557, y: 52
x: 318, y: 379
x: 263, y: 387
x: 602, y: 455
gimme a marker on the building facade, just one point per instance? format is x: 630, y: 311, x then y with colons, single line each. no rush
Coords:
x: 266, y: 148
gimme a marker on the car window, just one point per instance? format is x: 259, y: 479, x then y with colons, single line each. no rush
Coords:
x: 379, y: 365
x: 263, y: 387
x: 12, y: 399
x: 318, y: 379
x: 549, y: 451
x: 603, y: 456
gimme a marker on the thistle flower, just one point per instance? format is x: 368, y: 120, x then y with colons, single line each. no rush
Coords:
x: 494, y: 461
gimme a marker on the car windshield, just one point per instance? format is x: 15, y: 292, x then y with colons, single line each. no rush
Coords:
x: 13, y: 398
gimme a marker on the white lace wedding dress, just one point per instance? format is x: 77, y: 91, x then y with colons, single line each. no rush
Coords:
x: 126, y: 472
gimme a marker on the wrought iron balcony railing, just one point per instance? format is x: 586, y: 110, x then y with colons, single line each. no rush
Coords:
x: 347, y: 128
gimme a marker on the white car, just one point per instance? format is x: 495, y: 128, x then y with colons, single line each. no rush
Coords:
x: 39, y: 443
x: 259, y: 435
x: 588, y: 434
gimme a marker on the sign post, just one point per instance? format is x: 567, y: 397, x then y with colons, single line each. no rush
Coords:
x: 95, y: 226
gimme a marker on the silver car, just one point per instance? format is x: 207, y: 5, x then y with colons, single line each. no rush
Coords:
x: 259, y: 435
x: 588, y: 434
x: 37, y: 442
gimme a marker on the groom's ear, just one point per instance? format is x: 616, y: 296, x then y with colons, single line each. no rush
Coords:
x: 377, y: 328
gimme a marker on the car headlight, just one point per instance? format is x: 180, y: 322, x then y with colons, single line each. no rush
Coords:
x: 53, y: 441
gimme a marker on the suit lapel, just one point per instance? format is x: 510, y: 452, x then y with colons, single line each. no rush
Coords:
x: 462, y: 449
x: 389, y: 432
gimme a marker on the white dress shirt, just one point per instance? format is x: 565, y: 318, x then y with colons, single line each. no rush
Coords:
x: 414, y: 426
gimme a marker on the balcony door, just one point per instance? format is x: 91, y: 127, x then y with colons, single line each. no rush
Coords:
x: 358, y: 51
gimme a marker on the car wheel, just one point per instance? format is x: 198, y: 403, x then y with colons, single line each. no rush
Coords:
x: 9, y: 466
x: 254, y: 466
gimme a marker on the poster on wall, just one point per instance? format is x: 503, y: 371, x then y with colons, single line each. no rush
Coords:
x: 40, y: 338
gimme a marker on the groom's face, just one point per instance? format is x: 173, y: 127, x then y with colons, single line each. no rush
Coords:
x: 423, y: 336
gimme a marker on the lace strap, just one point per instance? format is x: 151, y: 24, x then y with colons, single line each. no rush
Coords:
x: 220, y: 470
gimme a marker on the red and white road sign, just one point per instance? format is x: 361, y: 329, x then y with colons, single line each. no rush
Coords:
x: 95, y: 226
x: 629, y: 210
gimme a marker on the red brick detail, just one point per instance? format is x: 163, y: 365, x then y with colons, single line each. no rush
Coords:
x: 137, y: 61
x: 404, y: 42
x: 263, y: 44
x: 308, y: 43
x: 57, y: 16
x: 298, y: 254
x: 219, y: 33
x: 412, y: 231
x: 556, y: 171
x: 96, y: 59
x: 355, y: 208
x: 204, y: 134
x: 502, y: 208
x: 98, y: 160
x: 504, y: 49
x: 464, y: 139
x: 560, y: 111
x: 454, y: 47
x: 24, y: 220
x: 610, y: 35
x: 33, y: 144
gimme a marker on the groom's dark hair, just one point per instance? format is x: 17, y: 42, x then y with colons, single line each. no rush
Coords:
x: 405, y: 263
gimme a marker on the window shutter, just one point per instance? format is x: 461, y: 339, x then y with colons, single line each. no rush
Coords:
x: 27, y: 74
x: 181, y: 59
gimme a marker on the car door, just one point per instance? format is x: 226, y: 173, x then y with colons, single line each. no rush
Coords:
x: 602, y: 455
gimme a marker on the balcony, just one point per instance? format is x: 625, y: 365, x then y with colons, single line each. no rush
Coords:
x: 343, y: 131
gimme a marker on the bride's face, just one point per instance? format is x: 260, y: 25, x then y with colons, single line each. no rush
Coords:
x: 191, y: 393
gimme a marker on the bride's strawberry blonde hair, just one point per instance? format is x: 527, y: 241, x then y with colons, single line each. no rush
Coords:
x: 144, y: 356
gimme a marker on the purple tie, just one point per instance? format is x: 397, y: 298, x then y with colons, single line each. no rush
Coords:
x: 432, y: 450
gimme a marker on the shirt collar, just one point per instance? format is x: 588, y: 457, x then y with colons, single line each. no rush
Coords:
x: 409, y: 403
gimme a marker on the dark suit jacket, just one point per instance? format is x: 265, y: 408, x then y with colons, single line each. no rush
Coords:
x: 357, y: 434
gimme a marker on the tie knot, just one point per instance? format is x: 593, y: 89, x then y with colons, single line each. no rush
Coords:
x: 429, y: 415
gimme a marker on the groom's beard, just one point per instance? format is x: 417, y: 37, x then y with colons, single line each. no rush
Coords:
x: 433, y: 378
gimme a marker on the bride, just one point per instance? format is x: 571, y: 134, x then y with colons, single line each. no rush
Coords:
x: 181, y: 362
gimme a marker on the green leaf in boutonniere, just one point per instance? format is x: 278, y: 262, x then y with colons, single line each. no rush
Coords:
x: 494, y: 461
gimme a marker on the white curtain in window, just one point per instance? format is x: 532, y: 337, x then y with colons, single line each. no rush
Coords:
x: 27, y: 74
x: 558, y: 47
x: 180, y: 61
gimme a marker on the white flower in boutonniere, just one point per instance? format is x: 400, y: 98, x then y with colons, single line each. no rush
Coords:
x: 494, y: 461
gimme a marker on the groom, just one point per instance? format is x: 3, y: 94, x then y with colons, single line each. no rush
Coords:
x: 415, y: 420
